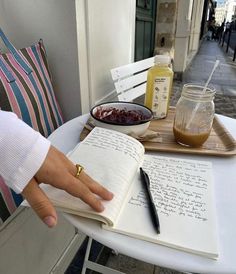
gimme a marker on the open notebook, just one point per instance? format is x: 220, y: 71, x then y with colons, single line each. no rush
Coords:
x: 182, y: 190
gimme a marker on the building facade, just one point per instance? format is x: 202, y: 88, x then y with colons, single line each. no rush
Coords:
x: 220, y: 14
x: 179, y: 23
x: 230, y: 10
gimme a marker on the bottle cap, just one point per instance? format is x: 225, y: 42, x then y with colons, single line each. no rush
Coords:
x: 162, y: 59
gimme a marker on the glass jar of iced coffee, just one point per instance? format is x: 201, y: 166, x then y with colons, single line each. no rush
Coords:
x: 194, y: 115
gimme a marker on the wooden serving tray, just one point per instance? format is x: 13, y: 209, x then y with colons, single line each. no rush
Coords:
x: 220, y: 142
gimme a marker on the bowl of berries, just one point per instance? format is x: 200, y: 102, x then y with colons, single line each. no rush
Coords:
x: 125, y: 117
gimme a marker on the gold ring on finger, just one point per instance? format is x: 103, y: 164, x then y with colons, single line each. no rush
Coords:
x: 79, y: 169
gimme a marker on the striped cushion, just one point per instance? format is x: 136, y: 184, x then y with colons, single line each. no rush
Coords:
x: 30, y: 96
x: 26, y: 90
x: 9, y: 201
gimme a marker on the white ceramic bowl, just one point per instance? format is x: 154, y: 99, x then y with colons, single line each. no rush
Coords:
x: 124, y: 117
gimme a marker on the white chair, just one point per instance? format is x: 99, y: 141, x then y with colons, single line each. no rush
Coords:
x: 28, y: 246
x: 130, y: 80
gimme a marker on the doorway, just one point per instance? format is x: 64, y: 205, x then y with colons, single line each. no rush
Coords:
x: 145, y: 29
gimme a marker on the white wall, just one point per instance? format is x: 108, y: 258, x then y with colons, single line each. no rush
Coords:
x: 182, y: 34
x: 109, y: 30
x: 196, y: 25
x: 84, y: 39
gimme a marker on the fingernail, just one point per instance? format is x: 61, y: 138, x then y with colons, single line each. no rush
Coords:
x: 50, y: 221
x: 101, y: 207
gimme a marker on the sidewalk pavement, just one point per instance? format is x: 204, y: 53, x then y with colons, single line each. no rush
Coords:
x: 224, y: 81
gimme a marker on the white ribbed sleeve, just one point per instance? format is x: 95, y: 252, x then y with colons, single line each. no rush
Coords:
x: 22, y: 151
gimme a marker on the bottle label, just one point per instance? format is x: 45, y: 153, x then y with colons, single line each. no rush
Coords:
x: 160, y: 96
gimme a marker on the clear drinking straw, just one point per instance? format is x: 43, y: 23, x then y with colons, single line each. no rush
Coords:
x: 203, y: 92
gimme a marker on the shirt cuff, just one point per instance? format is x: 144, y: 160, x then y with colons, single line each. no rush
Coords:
x: 28, y: 169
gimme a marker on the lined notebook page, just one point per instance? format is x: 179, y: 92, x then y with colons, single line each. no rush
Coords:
x: 184, y: 197
x: 109, y: 157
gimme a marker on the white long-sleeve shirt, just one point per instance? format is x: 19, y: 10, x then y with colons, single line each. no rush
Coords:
x: 22, y: 151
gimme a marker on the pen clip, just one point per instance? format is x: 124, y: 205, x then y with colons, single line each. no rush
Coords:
x: 144, y: 174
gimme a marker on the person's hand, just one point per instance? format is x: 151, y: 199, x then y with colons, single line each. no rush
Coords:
x: 58, y: 171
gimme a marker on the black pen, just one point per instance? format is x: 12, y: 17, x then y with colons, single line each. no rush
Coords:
x: 152, y: 208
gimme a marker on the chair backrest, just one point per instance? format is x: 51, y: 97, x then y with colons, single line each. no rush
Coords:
x: 130, y: 80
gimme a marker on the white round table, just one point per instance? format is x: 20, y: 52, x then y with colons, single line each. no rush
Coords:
x: 224, y: 169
